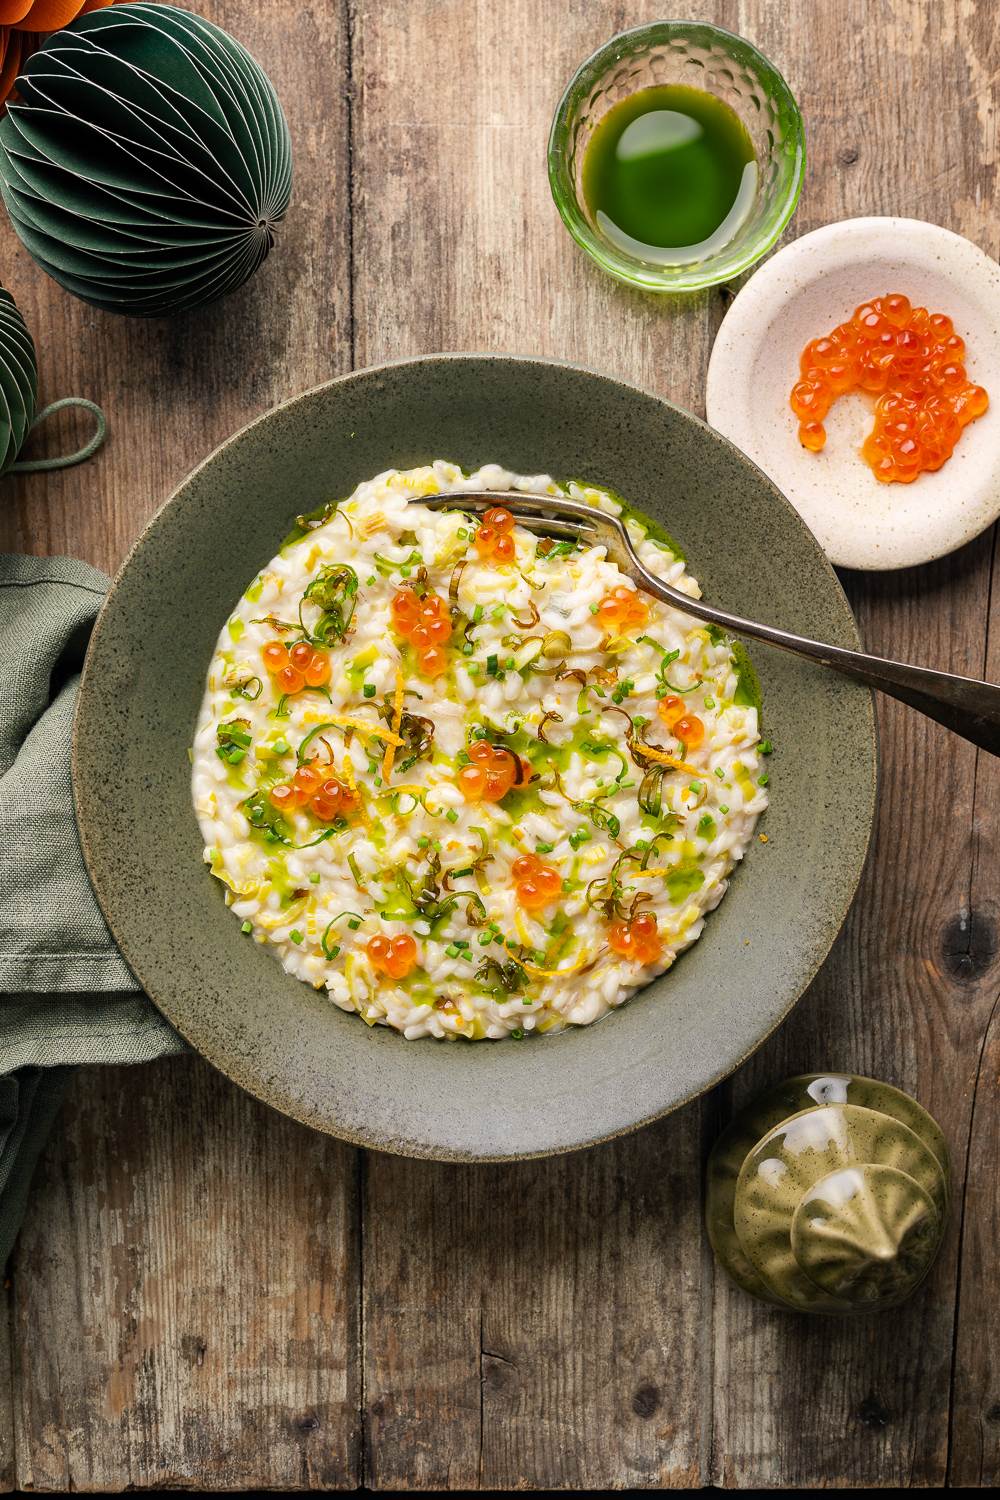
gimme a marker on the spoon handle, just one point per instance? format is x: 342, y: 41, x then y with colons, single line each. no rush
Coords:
x: 965, y: 705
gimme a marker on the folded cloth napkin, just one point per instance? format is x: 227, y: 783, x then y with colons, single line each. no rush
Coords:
x: 66, y: 994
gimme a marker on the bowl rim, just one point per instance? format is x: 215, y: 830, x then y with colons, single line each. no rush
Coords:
x: 286, y: 1102
x: 615, y: 262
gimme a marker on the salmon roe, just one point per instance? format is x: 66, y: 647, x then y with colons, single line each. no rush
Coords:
x: 637, y: 938
x: 670, y: 709
x: 535, y: 884
x: 327, y: 797
x: 491, y: 772
x: 393, y: 956
x: 622, y: 610
x: 495, y: 539
x: 426, y: 624
x: 301, y: 667
x: 912, y: 362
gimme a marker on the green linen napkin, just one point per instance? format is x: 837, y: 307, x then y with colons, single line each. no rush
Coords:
x: 66, y: 994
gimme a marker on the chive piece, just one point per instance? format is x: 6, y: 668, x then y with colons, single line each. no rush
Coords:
x: 354, y: 924
x: 720, y: 773
x: 477, y: 614
x: 295, y: 935
x: 405, y: 571
x: 423, y: 841
x: 517, y: 1033
x: 594, y: 608
x: 451, y: 951
x: 369, y: 689
x: 281, y: 746
x: 723, y: 808
x: 498, y: 937
x: 451, y: 815
x: 766, y: 748
x: 371, y: 580
x: 462, y: 534
x: 492, y: 665
x: 247, y: 927
x: 466, y: 648
x: 314, y: 878
x: 334, y: 951
x: 544, y: 848
x: 763, y: 780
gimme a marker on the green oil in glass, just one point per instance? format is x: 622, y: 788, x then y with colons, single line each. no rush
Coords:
x: 669, y: 174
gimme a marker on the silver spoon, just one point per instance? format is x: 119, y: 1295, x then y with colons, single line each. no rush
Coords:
x: 966, y: 705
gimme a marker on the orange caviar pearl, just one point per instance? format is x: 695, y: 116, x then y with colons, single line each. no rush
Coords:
x: 494, y: 538
x: 307, y: 779
x: 670, y: 709
x: 301, y: 655
x: 317, y: 673
x: 275, y: 655
x: 393, y: 956
x: 426, y: 624
x: 283, y: 797
x: 432, y: 661
x: 912, y: 362
x: 637, y: 939
x: 536, y: 885
x: 290, y: 679
x: 622, y: 610
x: 691, y: 730
x: 491, y: 773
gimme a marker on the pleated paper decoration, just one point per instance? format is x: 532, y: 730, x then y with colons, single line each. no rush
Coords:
x: 23, y: 25
x: 18, y: 380
x: 146, y: 160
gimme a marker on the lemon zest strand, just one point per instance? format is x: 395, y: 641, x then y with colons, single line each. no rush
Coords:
x: 397, y: 719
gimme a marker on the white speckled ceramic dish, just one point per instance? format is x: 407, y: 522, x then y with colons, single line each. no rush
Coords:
x: 800, y: 294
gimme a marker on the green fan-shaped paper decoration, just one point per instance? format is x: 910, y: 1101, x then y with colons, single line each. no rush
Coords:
x: 18, y: 380
x: 147, y: 161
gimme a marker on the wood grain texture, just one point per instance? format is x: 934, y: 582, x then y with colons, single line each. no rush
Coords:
x: 207, y: 1296
x: 186, y: 1285
x: 186, y: 1293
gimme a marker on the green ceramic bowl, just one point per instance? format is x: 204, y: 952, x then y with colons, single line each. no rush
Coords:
x: 142, y: 686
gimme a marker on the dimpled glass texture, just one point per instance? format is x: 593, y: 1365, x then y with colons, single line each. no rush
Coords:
x: 698, y: 56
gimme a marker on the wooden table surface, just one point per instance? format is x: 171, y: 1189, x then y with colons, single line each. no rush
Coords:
x: 206, y: 1295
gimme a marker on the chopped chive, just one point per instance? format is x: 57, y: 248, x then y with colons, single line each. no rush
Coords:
x: 510, y: 663
x: 423, y: 841
x: 544, y: 848
x: 405, y: 571
x: 371, y: 580
x: 723, y: 808
x: 354, y: 924
x: 247, y: 927
x: 720, y: 773
x: 492, y: 666
x: 463, y: 534
x: 451, y: 951
x: 594, y: 608
x: 333, y: 952
x: 369, y: 689
x: 766, y: 748
x: 314, y: 878
x: 281, y: 746
x: 462, y: 758
x: 295, y: 935
x: 451, y: 815
x: 567, y: 885
x: 763, y: 780
x: 485, y: 939
x: 477, y: 614
x: 466, y: 648
x: 498, y: 937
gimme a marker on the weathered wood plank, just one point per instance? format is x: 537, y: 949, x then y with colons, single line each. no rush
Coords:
x: 536, y: 1325
x: 7, y: 1465
x: 806, y: 1403
x: 186, y: 1293
x: 186, y: 1286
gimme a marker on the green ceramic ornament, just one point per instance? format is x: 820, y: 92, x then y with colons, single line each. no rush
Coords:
x: 147, y: 162
x: 18, y: 380
x: 19, y: 392
x: 829, y: 1194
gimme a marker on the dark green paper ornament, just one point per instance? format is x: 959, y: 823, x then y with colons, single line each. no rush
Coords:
x: 147, y: 162
x: 19, y: 392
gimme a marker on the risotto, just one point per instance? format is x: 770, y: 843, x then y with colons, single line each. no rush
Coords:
x: 465, y: 779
